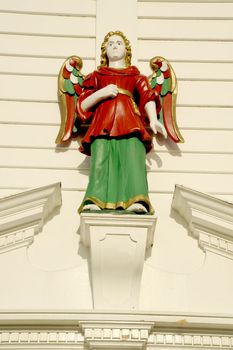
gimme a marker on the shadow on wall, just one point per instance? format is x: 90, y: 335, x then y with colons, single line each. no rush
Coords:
x: 172, y: 148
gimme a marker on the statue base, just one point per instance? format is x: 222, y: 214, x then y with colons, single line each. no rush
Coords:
x: 117, y: 243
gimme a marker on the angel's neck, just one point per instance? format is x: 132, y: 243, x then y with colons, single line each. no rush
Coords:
x: 117, y: 64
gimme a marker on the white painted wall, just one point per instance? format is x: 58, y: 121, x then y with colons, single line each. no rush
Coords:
x: 196, y: 37
x: 35, y: 38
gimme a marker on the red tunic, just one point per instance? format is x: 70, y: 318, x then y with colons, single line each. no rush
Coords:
x: 116, y: 117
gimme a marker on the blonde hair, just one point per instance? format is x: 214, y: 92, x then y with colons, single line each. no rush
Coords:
x: 104, y: 57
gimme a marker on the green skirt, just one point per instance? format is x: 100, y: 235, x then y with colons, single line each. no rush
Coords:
x: 117, y: 175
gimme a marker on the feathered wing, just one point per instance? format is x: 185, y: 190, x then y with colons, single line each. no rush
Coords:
x: 69, y: 88
x: 163, y: 81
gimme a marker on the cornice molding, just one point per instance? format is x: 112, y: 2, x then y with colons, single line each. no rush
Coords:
x: 93, y: 330
x: 23, y: 215
x: 209, y: 219
x: 71, y: 318
x: 107, y: 338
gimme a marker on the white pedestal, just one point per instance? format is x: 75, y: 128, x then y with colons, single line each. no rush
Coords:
x: 117, y: 250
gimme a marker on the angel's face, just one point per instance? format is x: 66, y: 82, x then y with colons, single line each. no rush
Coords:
x: 115, y: 48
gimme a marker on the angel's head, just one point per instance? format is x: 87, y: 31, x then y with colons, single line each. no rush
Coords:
x: 115, y: 47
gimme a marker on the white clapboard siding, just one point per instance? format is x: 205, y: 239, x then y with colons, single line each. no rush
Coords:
x: 35, y: 39
x: 178, y: 50
x: 39, y: 66
x: 39, y: 46
x: 205, y: 118
x: 38, y: 88
x: 187, y: 162
x: 187, y: 1
x: 156, y: 161
x: 197, y: 38
x: 40, y: 136
x: 175, y: 29
x: 196, y: 71
x: 48, y: 113
x: 28, y: 88
x: 53, y: 7
x: 78, y: 180
x: 205, y: 93
x: 44, y: 158
x: 30, y: 58
x: 183, y: 10
x: 52, y: 25
x: 30, y: 112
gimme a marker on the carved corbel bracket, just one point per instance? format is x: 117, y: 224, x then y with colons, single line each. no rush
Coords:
x: 23, y: 215
x: 117, y: 246
x: 209, y: 219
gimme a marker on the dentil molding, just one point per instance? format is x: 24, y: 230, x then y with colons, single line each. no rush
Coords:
x: 117, y: 244
x: 209, y: 219
x: 23, y: 215
x: 107, y: 338
x: 131, y: 331
x: 116, y: 335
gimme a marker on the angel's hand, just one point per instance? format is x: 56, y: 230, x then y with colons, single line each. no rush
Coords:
x: 109, y: 91
x: 158, y: 127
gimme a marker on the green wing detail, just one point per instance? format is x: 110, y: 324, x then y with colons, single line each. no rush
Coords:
x: 164, y: 83
x: 70, y: 81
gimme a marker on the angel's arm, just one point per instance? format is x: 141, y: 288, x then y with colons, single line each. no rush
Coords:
x: 148, y: 104
x: 109, y: 91
x: 155, y: 125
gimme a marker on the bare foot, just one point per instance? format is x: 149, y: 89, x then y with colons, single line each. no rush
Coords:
x: 137, y: 208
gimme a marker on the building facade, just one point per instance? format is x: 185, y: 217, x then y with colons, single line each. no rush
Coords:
x: 178, y: 291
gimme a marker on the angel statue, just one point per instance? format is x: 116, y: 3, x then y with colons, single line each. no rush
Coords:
x: 123, y: 108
